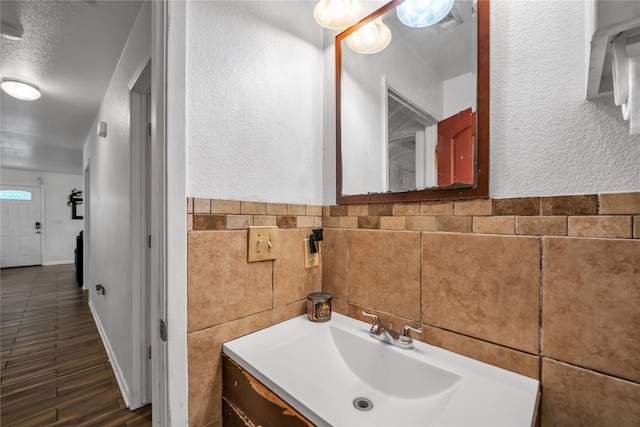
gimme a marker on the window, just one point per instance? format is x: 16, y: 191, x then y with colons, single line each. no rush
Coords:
x: 15, y: 195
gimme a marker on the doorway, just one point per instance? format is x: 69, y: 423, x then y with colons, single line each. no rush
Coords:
x: 411, y: 142
x: 21, y: 225
x: 86, y: 233
x: 141, y: 236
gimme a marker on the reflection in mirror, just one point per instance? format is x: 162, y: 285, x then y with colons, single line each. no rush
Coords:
x: 412, y: 137
x: 407, y: 115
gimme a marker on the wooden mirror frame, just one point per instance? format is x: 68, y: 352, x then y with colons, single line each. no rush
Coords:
x: 481, y: 188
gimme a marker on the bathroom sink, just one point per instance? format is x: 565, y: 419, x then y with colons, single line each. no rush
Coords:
x: 336, y: 375
x: 392, y: 372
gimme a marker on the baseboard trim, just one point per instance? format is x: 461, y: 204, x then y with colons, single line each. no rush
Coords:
x: 122, y: 383
x: 58, y: 262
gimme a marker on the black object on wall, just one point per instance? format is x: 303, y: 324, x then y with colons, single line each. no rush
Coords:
x: 75, y: 199
x: 78, y: 258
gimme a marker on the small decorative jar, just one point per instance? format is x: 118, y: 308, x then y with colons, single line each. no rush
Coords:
x: 319, y: 306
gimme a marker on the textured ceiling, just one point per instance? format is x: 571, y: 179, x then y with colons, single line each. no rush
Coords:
x: 70, y: 50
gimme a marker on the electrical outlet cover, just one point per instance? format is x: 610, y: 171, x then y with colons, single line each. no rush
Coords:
x: 308, y: 261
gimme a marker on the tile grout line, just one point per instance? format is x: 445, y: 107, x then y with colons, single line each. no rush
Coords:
x: 422, y: 243
x: 482, y: 340
x: 540, y: 309
x: 603, y: 373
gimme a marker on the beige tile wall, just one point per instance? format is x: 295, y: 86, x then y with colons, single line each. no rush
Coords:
x: 483, y: 286
x: 228, y: 297
x: 548, y: 287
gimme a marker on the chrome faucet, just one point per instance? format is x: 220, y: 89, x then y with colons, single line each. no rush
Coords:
x: 400, y: 339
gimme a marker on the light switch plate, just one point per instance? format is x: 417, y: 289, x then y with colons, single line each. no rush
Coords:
x: 262, y: 243
x: 308, y: 261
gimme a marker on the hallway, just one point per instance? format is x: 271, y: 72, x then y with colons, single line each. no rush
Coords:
x: 55, y: 370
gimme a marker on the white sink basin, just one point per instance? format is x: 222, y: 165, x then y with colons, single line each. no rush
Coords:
x: 391, y: 372
x: 321, y: 368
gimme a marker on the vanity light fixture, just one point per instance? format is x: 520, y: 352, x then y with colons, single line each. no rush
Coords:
x: 372, y: 38
x: 422, y: 13
x: 338, y: 14
x: 20, y: 89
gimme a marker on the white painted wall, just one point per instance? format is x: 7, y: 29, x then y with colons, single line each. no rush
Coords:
x: 328, y: 118
x: 110, y: 204
x: 247, y: 111
x: 546, y: 139
x: 363, y: 108
x: 59, y: 231
x: 459, y: 93
x: 254, y: 101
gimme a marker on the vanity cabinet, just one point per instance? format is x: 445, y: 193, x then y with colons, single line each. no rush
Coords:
x: 247, y: 402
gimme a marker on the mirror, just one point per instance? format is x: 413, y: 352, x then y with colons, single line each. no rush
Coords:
x: 412, y: 120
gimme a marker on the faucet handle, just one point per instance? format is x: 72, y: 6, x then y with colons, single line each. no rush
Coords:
x: 375, y: 327
x: 405, y: 333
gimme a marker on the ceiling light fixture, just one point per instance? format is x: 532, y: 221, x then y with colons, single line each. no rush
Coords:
x: 422, y: 13
x: 19, y: 89
x: 9, y: 31
x: 372, y: 38
x: 338, y: 14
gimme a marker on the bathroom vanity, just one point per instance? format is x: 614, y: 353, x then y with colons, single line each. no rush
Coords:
x: 334, y: 374
x: 247, y: 402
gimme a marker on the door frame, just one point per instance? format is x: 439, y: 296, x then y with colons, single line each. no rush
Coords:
x: 168, y: 215
x: 161, y: 407
x: 86, y: 227
x: 140, y: 207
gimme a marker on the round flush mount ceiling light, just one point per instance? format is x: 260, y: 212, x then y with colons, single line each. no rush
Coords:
x: 338, y: 14
x: 372, y: 38
x: 422, y: 13
x: 19, y: 89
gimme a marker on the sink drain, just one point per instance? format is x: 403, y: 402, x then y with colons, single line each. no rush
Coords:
x: 362, y: 404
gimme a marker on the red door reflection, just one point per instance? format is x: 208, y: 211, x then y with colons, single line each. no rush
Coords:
x: 456, y: 149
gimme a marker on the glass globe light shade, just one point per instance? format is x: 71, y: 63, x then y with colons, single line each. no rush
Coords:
x: 338, y: 14
x: 372, y: 38
x: 422, y: 13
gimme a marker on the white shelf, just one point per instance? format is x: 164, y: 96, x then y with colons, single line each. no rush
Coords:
x: 605, y: 20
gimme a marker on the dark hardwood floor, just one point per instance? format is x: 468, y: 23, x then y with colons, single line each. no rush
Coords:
x: 55, y: 370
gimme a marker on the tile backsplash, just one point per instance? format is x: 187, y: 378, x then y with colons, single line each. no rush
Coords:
x: 548, y: 287
x: 228, y: 297
x: 483, y: 286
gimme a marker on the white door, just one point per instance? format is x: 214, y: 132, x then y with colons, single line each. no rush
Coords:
x: 20, y: 225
